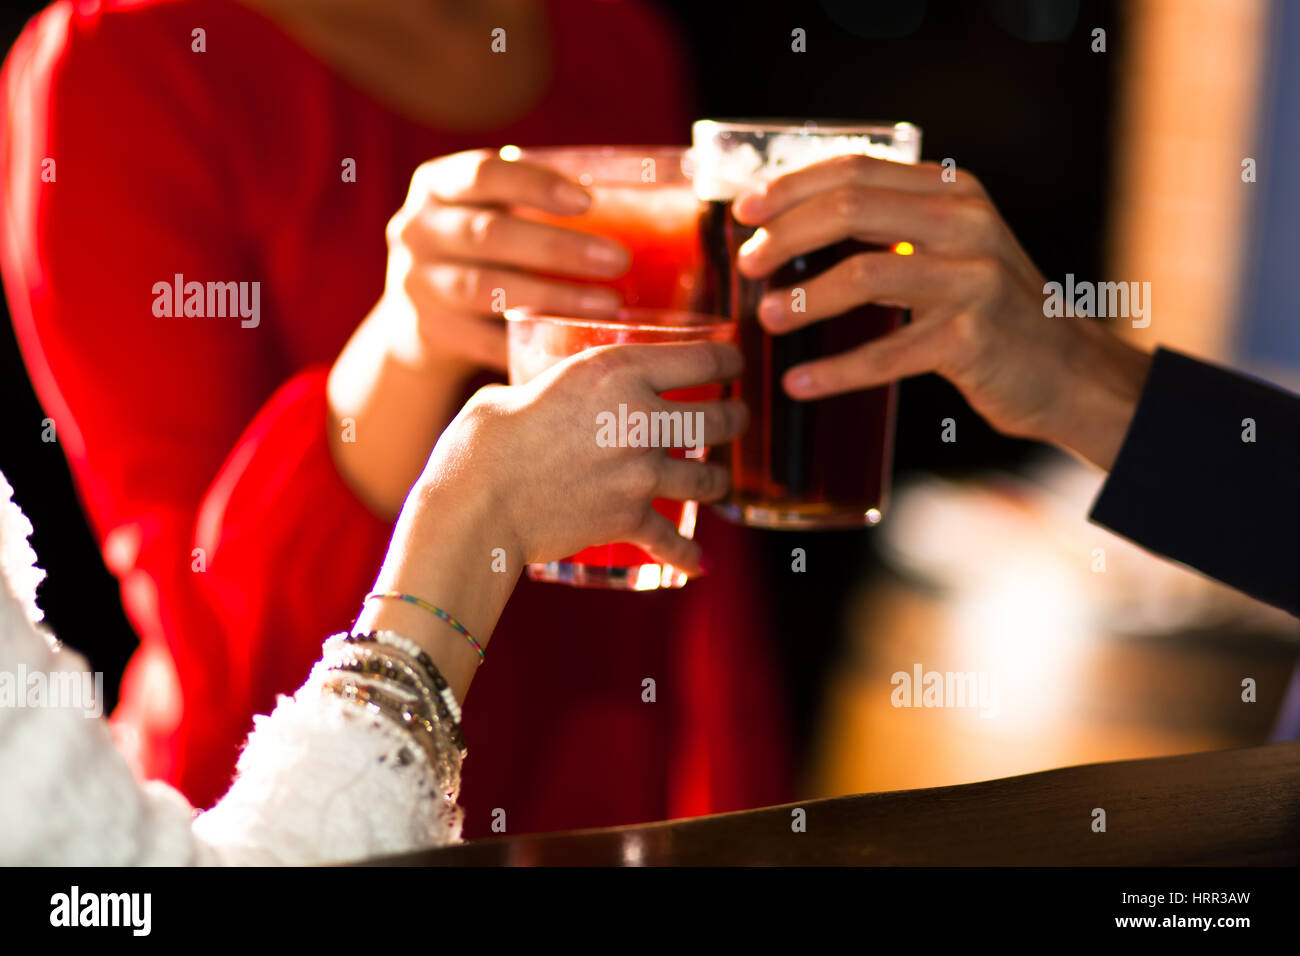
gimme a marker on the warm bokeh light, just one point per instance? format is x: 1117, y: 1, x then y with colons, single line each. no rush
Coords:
x: 1179, y: 207
x: 904, y: 248
x: 510, y: 153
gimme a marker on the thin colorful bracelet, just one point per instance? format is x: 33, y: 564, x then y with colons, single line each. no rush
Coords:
x: 435, y: 611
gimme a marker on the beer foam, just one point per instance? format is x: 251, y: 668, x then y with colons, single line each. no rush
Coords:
x: 727, y: 160
x: 720, y: 173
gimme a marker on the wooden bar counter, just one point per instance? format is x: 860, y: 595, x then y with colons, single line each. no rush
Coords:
x: 1223, y: 808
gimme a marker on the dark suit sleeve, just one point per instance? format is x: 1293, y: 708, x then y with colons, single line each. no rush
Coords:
x: 1187, y: 485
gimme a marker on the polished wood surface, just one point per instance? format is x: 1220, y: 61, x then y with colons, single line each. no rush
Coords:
x: 1230, y: 807
x: 1072, y: 693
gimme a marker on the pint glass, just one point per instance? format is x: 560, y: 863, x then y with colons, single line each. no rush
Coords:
x: 802, y: 464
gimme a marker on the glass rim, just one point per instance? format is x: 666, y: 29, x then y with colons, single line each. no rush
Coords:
x: 626, y: 320
x: 805, y: 127
x: 610, y: 165
x: 581, y: 150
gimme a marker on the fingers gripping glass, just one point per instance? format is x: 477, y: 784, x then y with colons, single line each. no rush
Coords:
x: 539, y: 341
x: 801, y: 464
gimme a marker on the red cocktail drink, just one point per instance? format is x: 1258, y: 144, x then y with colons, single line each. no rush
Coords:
x: 643, y: 199
x: 536, y: 343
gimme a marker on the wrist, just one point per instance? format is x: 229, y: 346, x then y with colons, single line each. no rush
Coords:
x: 1105, y: 377
x: 449, y: 551
x: 394, y: 411
x: 464, y: 513
x: 405, y: 348
x: 443, y: 367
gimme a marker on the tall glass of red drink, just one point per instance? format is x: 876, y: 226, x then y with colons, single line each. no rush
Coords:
x: 539, y: 341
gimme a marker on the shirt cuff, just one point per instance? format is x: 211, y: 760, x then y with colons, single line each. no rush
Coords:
x: 1209, y: 475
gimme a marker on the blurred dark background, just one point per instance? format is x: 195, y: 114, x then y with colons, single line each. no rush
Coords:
x: 1010, y: 90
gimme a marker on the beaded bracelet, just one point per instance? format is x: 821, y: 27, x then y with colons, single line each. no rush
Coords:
x: 423, y: 674
x: 434, y: 610
x: 414, y: 651
x: 402, y: 711
x: 367, y: 658
x: 407, y: 714
x: 359, y: 660
x: 447, y: 706
x: 401, y: 675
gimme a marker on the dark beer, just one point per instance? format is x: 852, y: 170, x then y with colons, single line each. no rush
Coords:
x: 820, y: 463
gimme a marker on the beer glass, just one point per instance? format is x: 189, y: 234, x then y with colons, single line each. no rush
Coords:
x: 802, y: 464
x: 536, y: 342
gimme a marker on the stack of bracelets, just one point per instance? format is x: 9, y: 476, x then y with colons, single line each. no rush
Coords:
x: 390, y: 676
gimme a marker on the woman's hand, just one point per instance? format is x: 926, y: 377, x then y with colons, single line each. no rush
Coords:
x: 520, y: 476
x: 556, y: 488
x: 976, y: 300
x: 456, y: 256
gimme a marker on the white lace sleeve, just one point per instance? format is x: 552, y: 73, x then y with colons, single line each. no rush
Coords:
x: 67, y: 796
x: 321, y: 780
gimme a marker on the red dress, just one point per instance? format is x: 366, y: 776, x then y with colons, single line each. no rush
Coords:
x: 199, y: 446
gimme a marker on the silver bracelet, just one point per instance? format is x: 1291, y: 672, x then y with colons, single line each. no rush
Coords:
x: 372, y: 661
x: 409, y: 715
x: 414, y: 651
